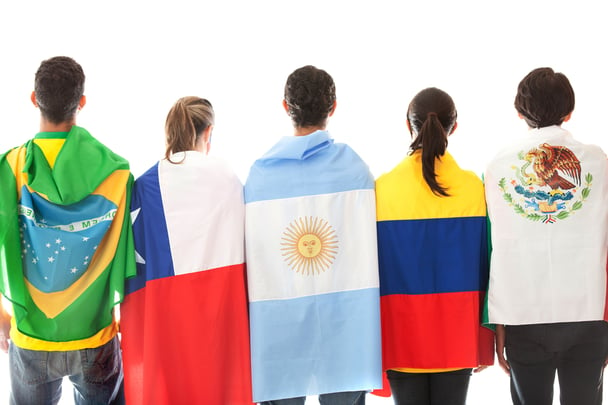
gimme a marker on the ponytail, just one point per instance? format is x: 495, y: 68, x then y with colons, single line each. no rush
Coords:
x: 433, y: 140
x: 431, y: 116
x: 187, y: 120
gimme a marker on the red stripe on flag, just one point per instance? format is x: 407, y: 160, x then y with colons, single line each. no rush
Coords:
x: 434, y: 331
x: 185, y: 339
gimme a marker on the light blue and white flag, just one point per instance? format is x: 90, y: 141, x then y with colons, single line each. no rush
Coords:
x: 312, y: 270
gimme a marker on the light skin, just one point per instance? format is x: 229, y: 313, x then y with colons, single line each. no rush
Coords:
x: 303, y: 131
x: 45, y: 126
x: 5, y: 328
x: 202, y: 144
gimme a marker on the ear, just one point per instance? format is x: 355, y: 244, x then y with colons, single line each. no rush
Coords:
x: 409, y: 126
x: 82, y: 102
x: 207, y: 134
x: 286, y: 107
x: 567, y: 117
x: 453, y: 128
x: 33, y: 98
x: 333, y: 108
x: 207, y: 138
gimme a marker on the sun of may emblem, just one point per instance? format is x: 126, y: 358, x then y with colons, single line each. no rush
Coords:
x: 309, y: 245
x: 547, y: 187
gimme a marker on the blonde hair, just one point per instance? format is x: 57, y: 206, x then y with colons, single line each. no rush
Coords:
x: 187, y: 120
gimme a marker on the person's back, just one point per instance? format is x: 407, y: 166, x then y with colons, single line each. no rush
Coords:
x: 311, y: 259
x: 65, y: 234
x: 433, y: 258
x: 547, y: 204
x: 184, y: 320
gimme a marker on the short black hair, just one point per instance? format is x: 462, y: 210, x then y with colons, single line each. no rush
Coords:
x: 310, y: 94
x: 59, y: 86
x: 544, y: 98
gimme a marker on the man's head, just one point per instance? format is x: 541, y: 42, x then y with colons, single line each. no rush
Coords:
x: 310, y: 97
x: 544, y: 98
x: 59, y: 88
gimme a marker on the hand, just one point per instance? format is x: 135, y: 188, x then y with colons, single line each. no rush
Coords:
x: 5, y: 329
x: 500, y: 349
x: 480, y: 369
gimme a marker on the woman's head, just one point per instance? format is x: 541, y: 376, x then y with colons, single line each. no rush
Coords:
x: 544, y: 98
x: 431, y: 118
x: 310, y: 97
x: 188, y: 123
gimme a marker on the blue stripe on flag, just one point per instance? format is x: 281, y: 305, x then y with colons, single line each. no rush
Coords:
x: 58, y: 241
x: 315, y: 344
x: 150, y: 234
x: 340, y: 168
x: 427, y: 256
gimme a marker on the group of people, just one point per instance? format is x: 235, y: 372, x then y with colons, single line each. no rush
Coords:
x: 312, y: 278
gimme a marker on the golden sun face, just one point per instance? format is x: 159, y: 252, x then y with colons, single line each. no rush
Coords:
x: 309, y: 245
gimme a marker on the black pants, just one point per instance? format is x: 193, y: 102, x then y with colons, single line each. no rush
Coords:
x: 449, y: 388
x: 575, y: 350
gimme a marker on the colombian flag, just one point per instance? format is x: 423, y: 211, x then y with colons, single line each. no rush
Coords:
x: 433, y: 258
x: 184, y: 323
x: 65, y: 240
x: 312, y: 270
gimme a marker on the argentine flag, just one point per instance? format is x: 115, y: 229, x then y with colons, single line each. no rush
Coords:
x: 312, y: 270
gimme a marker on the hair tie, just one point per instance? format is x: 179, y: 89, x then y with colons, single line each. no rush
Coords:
x: 431, y: 114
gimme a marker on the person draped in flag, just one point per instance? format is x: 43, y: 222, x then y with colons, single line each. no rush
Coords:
x: 312, y: 266
x: 547, y: 197
x: 66, y: 247
x: 184, y: 322
x: 433, y: 258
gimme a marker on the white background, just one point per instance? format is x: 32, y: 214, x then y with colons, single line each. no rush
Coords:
x: 140, y: 56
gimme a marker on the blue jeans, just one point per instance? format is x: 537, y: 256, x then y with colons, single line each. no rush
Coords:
x: 96, y: 374
x: 336, y: 398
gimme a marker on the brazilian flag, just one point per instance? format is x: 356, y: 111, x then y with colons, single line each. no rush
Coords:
x: 66, y: 242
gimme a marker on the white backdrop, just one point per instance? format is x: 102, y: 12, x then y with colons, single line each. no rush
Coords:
x: 140, y: 56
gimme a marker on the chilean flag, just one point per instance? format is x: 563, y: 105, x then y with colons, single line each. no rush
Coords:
x: 184, y: 322
x: 312, y: 270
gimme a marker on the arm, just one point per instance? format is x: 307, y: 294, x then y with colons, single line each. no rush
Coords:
x: 500, y: 349
x: 5, y: 328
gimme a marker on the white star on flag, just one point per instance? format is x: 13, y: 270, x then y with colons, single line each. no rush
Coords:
x: 138, y: 258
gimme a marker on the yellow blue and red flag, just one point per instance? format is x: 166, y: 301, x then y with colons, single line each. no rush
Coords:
x: 433, y: 258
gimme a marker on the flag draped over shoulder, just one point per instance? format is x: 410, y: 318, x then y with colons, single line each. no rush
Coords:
x: 547, y: 201
x: 65, y: 240
x: 312, y: 270
x: 184, y: 323
x: 433, y: 259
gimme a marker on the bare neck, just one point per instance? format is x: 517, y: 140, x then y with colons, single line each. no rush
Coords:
x: 303, y: 131
x: 47, y: 126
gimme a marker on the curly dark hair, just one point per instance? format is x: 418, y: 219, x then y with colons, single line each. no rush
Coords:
x: 59, y: 86
x: 544, y: 98
x: 310, y: 94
